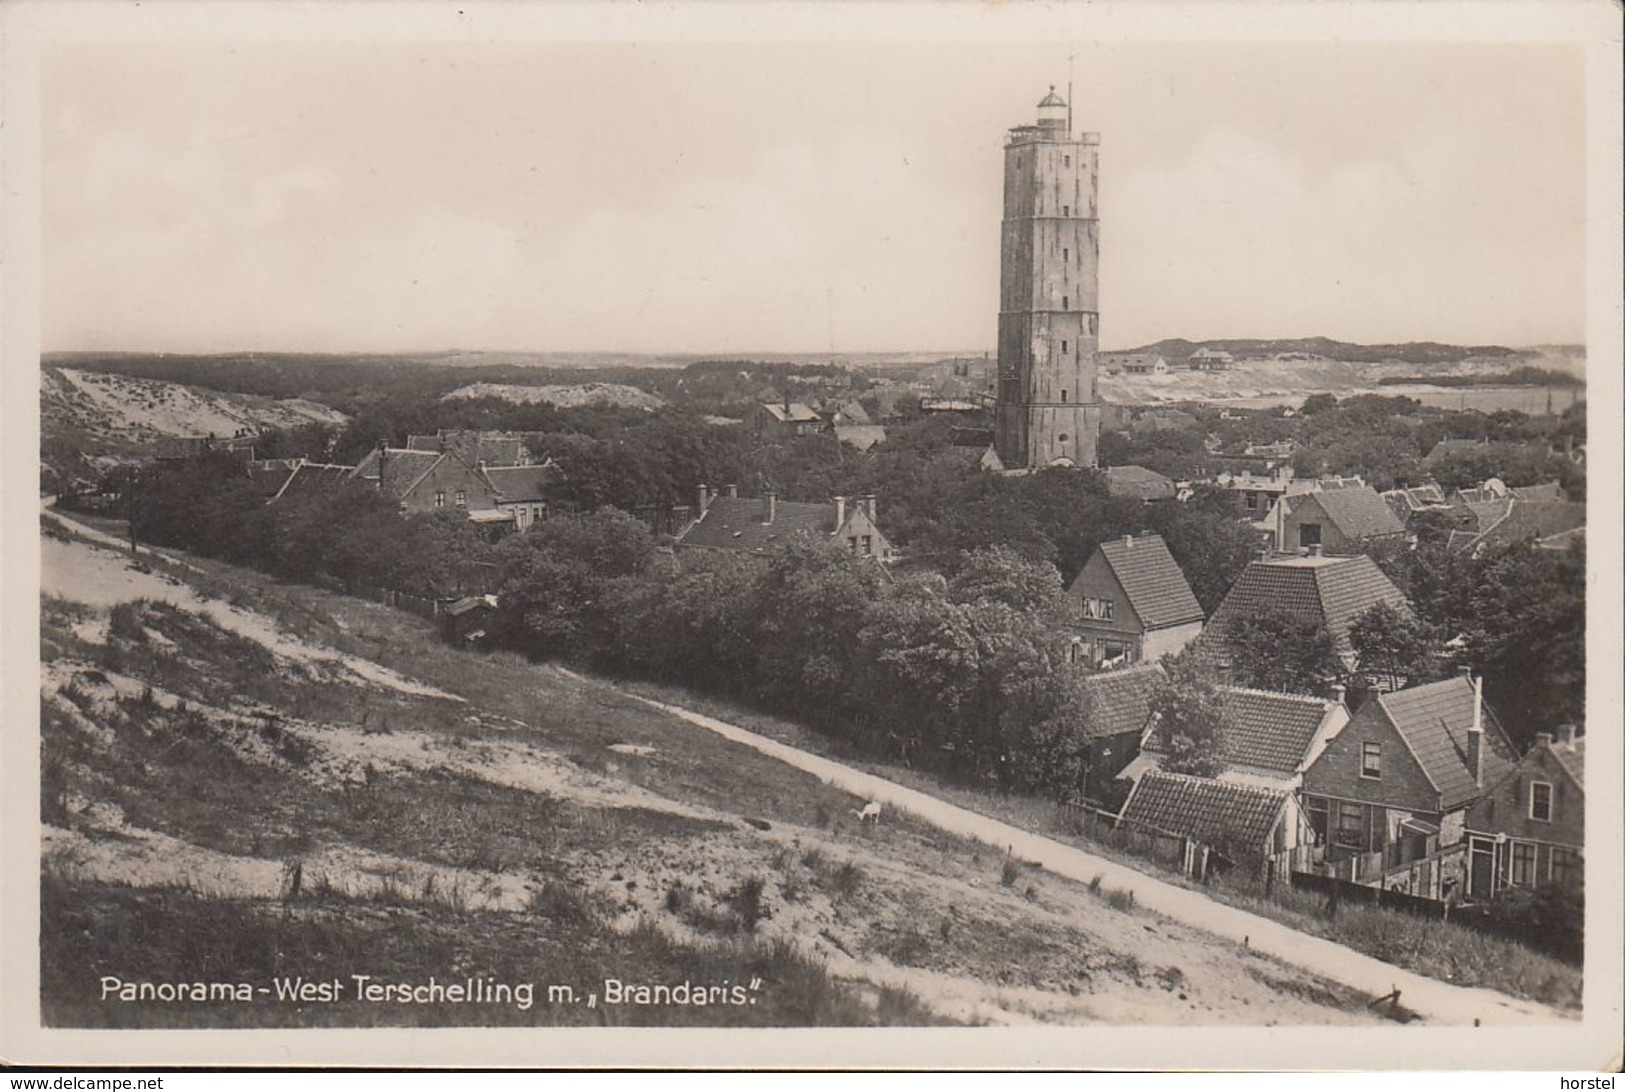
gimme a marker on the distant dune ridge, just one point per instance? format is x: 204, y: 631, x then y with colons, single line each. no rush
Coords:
x: 106, y: 403
x: 562, y: 395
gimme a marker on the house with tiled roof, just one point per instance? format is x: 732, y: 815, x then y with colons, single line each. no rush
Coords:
x: 1553, y: 524
x: 1139, y: 483
x: 1273, y: 737
x: 861, y: 437
x: 1528, y: 829
x: 1117, y: 707
x: 429, y: 481
x: 1243, y: 824
x: 269, y: 475
x: 785, y: 419
x: 1406, y: 503
x: 1331, y: 592
x: 1393, y: 788
x: 760, y: 525
x: 1130, y: 603
x: 1339, y: 519
x: 526, y: 492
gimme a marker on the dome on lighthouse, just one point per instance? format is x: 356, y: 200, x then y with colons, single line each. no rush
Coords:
x: 1052, y: 100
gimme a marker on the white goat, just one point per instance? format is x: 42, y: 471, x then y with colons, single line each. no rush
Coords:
x: 870, y: 813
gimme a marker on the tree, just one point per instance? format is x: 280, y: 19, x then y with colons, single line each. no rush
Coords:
x: 1190, y: 718
x: 1276, y: 649
x: 1395, y: 648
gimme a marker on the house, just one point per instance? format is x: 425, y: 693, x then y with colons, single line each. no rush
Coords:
x: 1138, y: 483
x: 1393, y: 788
x: 1135, y: 363
x: 1407, y: 503
x: 784, y: 420
x: 1273, y: 738
x: 1242, y: 824
x: 1330, y: 592
x: 1339, y: 520
x: 1528, y: 829
x: 862, y: 437
x: 1256, y: 494
x: 759, y: 525
x: 1130, y: 604
x: 1550, y: 524
x: 1117, y: 706
x: 476, y: 446
x: 526, y: 492
x: 429, y: 481
x: 847, y: 412
x: 176, y: 449
x: 269, y: 475
x: 1209, y: 360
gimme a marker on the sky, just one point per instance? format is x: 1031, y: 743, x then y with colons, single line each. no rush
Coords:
x: 797, y: 196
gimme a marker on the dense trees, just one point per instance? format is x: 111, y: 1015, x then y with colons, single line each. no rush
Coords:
x: 1190, y: 717
x: 1275, y: 649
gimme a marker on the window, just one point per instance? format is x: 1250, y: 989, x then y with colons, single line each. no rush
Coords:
x: 440, y: 499
x: 1308, y: 534
x: 1371, y: 760
x: 1063, y: 400
x: 1523, y: 864
x: 462, y: 499
x: 1249, y: 501
x: 1063, y: 436
x: 868, y: 545
x: 1099, y: 610
x: 1564, y: 865
x: 852, y: 543
x: 1540, y: 802
x: 1066, y: 161
x: 1066, y: 210
x: 1074, y: 651
x: 1063, y: 349
x: 1066, y: 254
x: 1066, y: 303
x: 1351, y: 829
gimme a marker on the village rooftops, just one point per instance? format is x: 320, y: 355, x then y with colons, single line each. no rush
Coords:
x: 311, y: 478
x: 522, y: 484
x: 796, y: 412
x: 1357, y: 511
x: 758, y: 525
x: 1139, y: 483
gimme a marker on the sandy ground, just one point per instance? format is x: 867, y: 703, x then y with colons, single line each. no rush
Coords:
x: 120, y: 403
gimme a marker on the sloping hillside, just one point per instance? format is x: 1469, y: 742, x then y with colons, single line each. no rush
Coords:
x: 292, y: 783
x: 563, y: 395
x: 107, y: 405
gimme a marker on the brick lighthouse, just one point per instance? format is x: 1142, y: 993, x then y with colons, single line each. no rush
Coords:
x: 1046, y: 413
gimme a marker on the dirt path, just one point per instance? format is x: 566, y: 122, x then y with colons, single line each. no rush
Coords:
x: 1435, y: 1001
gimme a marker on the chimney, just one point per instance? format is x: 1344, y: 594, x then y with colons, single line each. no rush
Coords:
x: 770, y: 505
x: 1128, y: 542
x: 1475, y: 734
x: 704, y: 500
x: 733, y: 492
x: 840, y: 512
x: 1339, y: 693
x: 1544, y: 738
x: 383, y: 453
x: 868, y: 502
x: 1565, y: 734
x: 1314, y: 551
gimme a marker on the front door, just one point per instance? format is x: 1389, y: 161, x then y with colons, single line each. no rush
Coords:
x: 1481, y: 868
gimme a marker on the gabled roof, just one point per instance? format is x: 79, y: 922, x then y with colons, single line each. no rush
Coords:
x: 311, y: 478
x: 519, y: 484
x: 1545, y: 491
x: 794, y: 412
x: 862, y: 437
x: 270, y: 475
x: 1434, y: 721
x: 1403, y: 502
x: 1332, y: 591
x: 1139, y: 483
x: 1120, y: 701
x: 1572, y: 755
x: 1155, y: 587
x: 1526, y: 520
x: 474, y: 445
x: 1358, y: 511
x: 1211, y: 811
x: 1269, y: 731
x: 736, y: 523
x: 402, y: 469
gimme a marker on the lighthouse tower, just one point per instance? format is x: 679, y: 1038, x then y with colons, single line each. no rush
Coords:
x: 1046, y: 412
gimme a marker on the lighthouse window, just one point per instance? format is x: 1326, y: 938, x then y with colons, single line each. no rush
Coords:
x: 1063, y: 394
x: 1066, y: 161
x: 1062, y: 437
x: 1066, y: 303
x: 1066, y: 210
x: 1063, y: 345
x: 1066, y: 254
